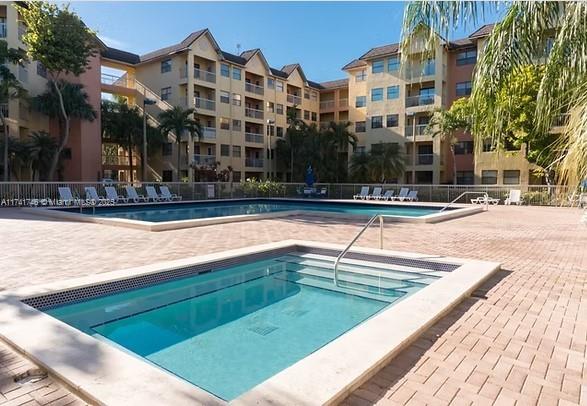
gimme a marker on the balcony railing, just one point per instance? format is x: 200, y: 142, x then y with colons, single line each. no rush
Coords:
x: 204, y: 159
x: 205, y: 104
x: 292, y: 98
x: 3, y: 30
x: 118, y: 160
x: 420, y: 130
x: 254, y: 162
x: 249, y: 112
x: 418, y: 71
x: 208, y: 133
x: 421, y: 159
x: 423, y: 100
x: 252, y: 88
x: 343, y: 102
x: 327, y: 104
x: 204, y: 75
x: 254, y: 137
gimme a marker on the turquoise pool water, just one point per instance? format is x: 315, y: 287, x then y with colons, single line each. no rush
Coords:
x: 199, y: 210
x: 229, y: 330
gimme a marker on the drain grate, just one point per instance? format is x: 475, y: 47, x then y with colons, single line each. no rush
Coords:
x: 263, y: 329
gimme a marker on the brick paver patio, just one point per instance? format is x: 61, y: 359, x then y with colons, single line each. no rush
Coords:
x: 520, y: 339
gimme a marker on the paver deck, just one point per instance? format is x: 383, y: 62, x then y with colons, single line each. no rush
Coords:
x: 521, y: 339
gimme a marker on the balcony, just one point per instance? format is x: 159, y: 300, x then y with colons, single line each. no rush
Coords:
x: 254, y: 162
x: 251, y: 88
x: 327, y: 105
x: 420, y: 130
x: 343, y: 103
x: 208, y: 133
x: 254, y: 138
x: 118, y: 160
x: 292, y: 98
x: 422, y: 100
x: 419, y: 71
x: 3, y: 30
x: 21, y: 30
x: 204, y: 159
x: 206, y: 76
x: 253, y: 113
x: 205, y: 104
x: 421, y: 159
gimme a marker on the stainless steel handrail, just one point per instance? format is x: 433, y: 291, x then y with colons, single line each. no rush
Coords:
x: 360, y: 233
x: 467, y: 193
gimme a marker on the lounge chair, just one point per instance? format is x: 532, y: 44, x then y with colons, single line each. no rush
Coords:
x: 483, y: 200
x: 92, y: 195
x: 112, y: 195
x: 412, y: 196
x: 167, y: 195
x: 363, y: 194
x: 66, y: 196
x: 323, y: 192
x: 403, y: 193
x: 131, y: 194
x: 308, y: 191
x: 514, y: 197
x: 387, y: 195
x: 376, y: 195
x: 152, y: 194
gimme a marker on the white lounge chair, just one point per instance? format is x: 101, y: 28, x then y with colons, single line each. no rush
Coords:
x: 167, y: 195
x: 387, y: 195
x: 403, y: 193
x: 66, y: 196
x: 376, y: 193
x: 92, y: 194
x: 483, y: 200
x: 412, y: 196
x: 323, y: 192
x: 362, y: 194
x: 131, y: 194
x: 112, y: 195
x: 514, y: 197
x: 152, y: 194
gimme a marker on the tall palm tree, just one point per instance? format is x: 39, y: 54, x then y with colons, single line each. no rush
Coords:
x: 75, y: 101
x: 179, y: 121
x: 385, y: 162
x: 41, y: 148
x: 359, y: 167
x: 342, y: 139
x: 519, y: 39
x: 294, y: 136
x: 10, y: 88
x: 18, y: 154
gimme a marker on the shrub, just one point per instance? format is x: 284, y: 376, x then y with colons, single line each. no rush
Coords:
x: 254, y: 187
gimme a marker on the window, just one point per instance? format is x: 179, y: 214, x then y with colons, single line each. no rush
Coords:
x: 511, y: 177
x: 360, y: 127
x: 377, y: 94
x: 236, y: 151
x: 224, y: 123
x: 167, y: 149
x: 224, y: 97
x: 361, y: 101
x: 236, y: 73
x: 165, y: 93
x: 463, y: 88
x: 307, y: 94
x: 270, y: 83
x: 306, y: 115
x: 361, y: 76
x: 489, y: 177
x: 465, y: 177
x: 225, y: 70
x: 166, y: 65
x: 279, y: 108
x: 392, y: 120
x: 236, y: 125
x: 377, y: 122
x: 236, y: 99
x: 314, y: 96
x: 270, y: 107
x: 467, y: 57
x: 393, y: 64
x: 314, y: 116
x: 464, y: 148
x: 224, y: 150
x: 393, y: 92
x: 2, y: 27
x: 279, y: 131
x: 41, y: 70
x: 279, y: 86
x: 377, y: 66
x: 271, y: 130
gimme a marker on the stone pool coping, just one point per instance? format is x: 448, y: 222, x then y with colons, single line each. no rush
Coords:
x: 104, y: 374
x: 459, y: 210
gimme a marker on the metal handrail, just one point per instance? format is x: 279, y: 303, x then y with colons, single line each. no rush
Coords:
x: 466, y: 193
x: 360, y: 233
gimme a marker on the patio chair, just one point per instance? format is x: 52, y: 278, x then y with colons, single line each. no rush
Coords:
x: 167, y: 195
x: 483, y: 199
x: 152, y: 194
x: 362, y: 194
x: 376, y: 193
x: 514, y: 197
x: 309, y: 191
x: 387, y: 195
x: 403, y: 193
x: 112, y: 195
x: 323, y: 192
x: 92, y: 195
x: 132, y: 194
x: 66, y: 196
x: 412, y: 196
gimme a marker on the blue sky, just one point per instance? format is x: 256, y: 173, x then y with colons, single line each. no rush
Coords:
x: 321, y: 36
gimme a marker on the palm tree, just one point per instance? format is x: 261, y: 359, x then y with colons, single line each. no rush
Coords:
x: 178, y: 121
x: 385, y: 162
x: 10, y: 88
x: 294, y: 136
x: 342, y: 139
x: 359, y: 167
x: 519, y: 39
x: 18, y: 154
x: 75, y: 101
x: 41, y: 147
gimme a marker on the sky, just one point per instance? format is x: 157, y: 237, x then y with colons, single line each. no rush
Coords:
x: 321, y: 36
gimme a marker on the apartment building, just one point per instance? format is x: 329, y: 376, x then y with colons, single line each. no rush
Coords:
x: 241, y: 103
x: 81, y: 156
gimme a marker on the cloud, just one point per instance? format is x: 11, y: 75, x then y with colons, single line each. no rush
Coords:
x: 113, y: 42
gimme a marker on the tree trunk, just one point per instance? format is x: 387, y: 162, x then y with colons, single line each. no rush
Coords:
x: 178, y: 160
x: 291, y: 163
x: 5, y: 125
x: 65, y: 136
x: 129, y: 146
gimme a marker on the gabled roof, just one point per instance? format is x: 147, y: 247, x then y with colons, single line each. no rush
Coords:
x: 461, y: 43
x: 355, y: 63
x: 181, y: 46
x: 120, y: 56
x: 277, y: 72
x: 382, y: 50
x: 335, y: 84
x: 249, y: 53
x: 233, y: 58
x: 483, y: 31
